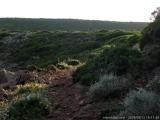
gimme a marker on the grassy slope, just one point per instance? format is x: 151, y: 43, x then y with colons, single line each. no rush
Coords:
x: 66, y: 24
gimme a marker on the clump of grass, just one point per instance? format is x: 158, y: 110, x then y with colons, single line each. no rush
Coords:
x: 30, y: 88
x: 108, y: 84
x: 31, y: 107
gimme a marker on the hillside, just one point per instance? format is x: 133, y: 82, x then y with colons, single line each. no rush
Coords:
x: 52, y: 57
x: 79, y: 75
x: 66, y: 24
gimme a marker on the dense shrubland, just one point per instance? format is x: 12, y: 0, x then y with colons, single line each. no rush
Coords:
x: 32, y: 107
x: 43, y: 48
x: 122, y: 56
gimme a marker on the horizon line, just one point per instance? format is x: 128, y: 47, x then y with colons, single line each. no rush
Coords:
x: 71, y: 19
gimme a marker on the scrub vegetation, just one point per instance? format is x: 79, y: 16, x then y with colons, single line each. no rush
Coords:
x: 85, y: 73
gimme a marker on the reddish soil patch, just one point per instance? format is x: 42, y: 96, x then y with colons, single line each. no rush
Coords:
x: 69, y: 100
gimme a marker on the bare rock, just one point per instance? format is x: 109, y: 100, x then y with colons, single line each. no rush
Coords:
x: 7, y: 78
x: 24, y: 76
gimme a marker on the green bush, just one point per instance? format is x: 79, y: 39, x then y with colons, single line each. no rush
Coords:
x: 2, y: 47
x: 151, y: 34
x: 146, y: 37
x: 117, y: 60
x: 84, y: 74
x: 31, y: 108
x: 150, y: 45
x: 151, y: 56
x: 108, y: 84
x: 4, y: 34
x: 134, y: 39
x: 107, y: 35
x: 141, y: 103
x: 125, y: 40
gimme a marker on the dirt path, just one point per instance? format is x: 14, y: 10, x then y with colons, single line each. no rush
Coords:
x: 69, y: 100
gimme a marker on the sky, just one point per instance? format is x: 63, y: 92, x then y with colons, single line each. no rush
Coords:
x: 113, y: 10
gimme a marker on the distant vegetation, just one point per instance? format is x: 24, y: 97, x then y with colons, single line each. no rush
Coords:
x: 43, y: 48
x: 66, y: 24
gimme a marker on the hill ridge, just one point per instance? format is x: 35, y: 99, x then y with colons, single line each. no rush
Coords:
x: 66, y: 24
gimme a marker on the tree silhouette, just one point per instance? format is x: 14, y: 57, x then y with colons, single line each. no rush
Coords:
x: 156, y: 14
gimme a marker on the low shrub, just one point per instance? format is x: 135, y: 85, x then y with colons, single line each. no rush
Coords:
x: 151, y: 35
x: 117, y: 60
x: 84, y: 74
x: 31, y: 108
x: 141, y: 103
x: 4, y: 34
x: 108, y: 84
x: 146, y: 37
x: 151, y: 56
x: 107, y: 35
x: 134, y: 39
x: 125, y: 40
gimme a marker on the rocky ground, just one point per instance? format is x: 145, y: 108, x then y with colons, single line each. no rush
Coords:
x: 70, y: 101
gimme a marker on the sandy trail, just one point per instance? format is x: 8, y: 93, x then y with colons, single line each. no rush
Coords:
x: 69, y: 100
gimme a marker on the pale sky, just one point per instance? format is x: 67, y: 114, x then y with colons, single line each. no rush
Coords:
x: 113, y: 10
